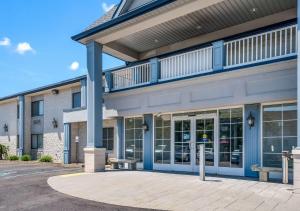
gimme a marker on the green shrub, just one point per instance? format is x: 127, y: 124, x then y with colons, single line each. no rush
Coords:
x: 13, y: 157
x: 46, y: 158
x: 3, y: 151
x: 26, y: 158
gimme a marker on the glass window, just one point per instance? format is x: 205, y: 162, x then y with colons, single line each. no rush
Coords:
x: 108, y: 138
x: 162, y: 141
x: 231, y: 138
x: 279, y: 132
x: 134, y: 138
x: 36, y: 141
x: 76, y: 100
x: 37, y: 108
x: 18, y: 142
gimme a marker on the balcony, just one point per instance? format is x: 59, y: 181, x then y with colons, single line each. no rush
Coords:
x: 256, y: 49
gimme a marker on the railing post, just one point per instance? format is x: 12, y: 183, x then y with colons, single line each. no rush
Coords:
x: 218, y: 55
x: 155, y: 70
x: 109, y: 80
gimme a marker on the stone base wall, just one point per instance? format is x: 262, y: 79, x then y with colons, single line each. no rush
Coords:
x: 11, y: 142
x: 54, y: 146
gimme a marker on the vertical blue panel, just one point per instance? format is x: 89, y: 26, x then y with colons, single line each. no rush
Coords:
x: 252, y: 140
x: 298, y: 75
x: 94, y: 95
x: 154, y: 65
x: 21, y: 131
x: 121, y: 142
x: 67, y: 143
x: 83, y: 92
x: 148, y: 143
x: 218, y: 55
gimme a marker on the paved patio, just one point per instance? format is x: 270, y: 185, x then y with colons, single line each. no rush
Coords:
x: 167, y: 191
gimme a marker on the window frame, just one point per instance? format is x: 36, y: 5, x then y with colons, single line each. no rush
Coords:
x: 107, y: 139
x: 242, y: 137
x: 73, y: 102
x: 262, y: 121
x: 37, y: 135
x: 124, y: 137
x: 39, y: 106
x: 154, y: 140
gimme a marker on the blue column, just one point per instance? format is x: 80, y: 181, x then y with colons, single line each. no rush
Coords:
x: 121, y: 142
x: 148, y: 142
x: 218, y: 55
x: 298, y: 75
x: 21, y: 131
x: 109, y: 80
x: 94, y: 95
x: 155, y: 70
x: 252, y: 140
x: 67, y: 143
x: 83, y: 91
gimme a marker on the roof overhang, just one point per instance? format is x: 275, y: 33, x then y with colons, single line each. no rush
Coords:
x: 165, y: 26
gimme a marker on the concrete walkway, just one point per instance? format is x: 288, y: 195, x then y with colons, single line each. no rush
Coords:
x: 177, y: 191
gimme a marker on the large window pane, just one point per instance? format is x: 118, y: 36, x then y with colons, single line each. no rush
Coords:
x: 231, y: 138
x: 279, y: 132
x: 108, y: 138
x: 134, y: 138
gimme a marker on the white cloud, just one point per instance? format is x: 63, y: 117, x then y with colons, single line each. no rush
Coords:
x: 107, y: 7
x: 5, y: 41
x: 24, y: 47
x: 74, y: 66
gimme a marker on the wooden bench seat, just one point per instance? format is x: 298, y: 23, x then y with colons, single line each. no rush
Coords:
x: 264, y: 172
x: 123, y: 164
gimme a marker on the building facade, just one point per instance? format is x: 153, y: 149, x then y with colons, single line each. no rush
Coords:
x: 221, y: 73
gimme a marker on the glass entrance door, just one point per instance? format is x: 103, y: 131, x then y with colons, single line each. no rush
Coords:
x: 188, y: 134
x: 182, y: 141
x: 206, y: 133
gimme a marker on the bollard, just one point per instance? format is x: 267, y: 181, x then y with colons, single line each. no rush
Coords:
x: 202, y: 162
x: 285, y: 167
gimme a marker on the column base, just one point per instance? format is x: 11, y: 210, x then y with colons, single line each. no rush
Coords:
x: 296, y: 173
x: 94, y: 159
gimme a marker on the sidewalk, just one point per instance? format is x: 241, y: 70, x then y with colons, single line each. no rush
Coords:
x: 177, y: 191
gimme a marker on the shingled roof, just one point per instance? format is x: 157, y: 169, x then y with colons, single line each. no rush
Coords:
x: 106, y: 17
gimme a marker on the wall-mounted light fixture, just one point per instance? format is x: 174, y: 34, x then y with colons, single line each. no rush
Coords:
x: 250, y: 120
x: 5, y: 128
x: 55, y: 91
x: 54, y: 123
x: 145, y: 126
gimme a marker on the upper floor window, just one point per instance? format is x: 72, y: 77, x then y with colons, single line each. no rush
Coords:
x: 18, y: 111
x: 76, y: 100
x: 37, y: 108
x: 108, y: 138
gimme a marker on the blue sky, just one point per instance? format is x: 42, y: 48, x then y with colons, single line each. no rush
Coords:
x: 35, y: 44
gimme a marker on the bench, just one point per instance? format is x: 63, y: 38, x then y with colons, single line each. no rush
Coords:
x: 264, y: 172
x: 123, y: 164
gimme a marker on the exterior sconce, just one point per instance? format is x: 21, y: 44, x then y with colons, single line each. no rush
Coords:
x: 54, y: 123
x: 145, y: 126
x: 55, y: 91
x: 5, y: 128
x: 250, y: 120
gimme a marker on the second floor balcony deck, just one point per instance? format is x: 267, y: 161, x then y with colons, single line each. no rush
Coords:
x: 256, y: 48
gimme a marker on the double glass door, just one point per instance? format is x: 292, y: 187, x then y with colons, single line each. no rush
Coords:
x: 188, y: 134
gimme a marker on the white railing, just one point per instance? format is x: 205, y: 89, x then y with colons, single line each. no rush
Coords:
x: 186, y: 64
x: 131, y: 76
x: 266, y: 46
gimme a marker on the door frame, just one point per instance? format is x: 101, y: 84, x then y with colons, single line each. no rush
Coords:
x: 192, y: 167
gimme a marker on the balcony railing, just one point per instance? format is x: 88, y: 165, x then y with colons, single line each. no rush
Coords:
x: 261, y: 47
x: 131, y: 76
x: 186, y: 64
